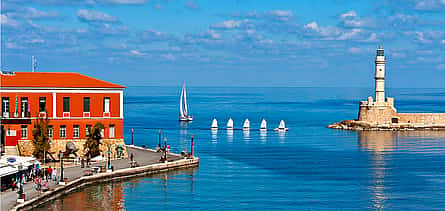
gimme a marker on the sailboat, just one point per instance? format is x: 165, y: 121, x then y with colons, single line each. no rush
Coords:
x: 230, y: 124
x: 214, y: 124
x: 263, y: 125
x: 183, y: 107
x: 282, y: 126
x: 246, y: 125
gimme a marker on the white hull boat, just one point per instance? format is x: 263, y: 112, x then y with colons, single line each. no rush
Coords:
x: 282, y: 127
x: 230, y: 124
x: 214, y: 124
x: 246, y: 125
x: 183, y: 107
x: 263, y: 125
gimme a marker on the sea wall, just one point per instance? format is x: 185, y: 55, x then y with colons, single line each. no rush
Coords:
x: 26, y: 146
x: 422, y: 118
x: 105, y: 177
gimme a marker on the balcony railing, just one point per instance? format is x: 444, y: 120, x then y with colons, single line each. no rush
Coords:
x: 16, y: 118
x: 16, y: 115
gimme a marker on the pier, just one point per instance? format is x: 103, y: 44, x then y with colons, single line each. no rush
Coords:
x: 147, y: 159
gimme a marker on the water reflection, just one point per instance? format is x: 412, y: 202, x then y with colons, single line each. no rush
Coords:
x: 214, y: 134
x: 246, y: 134
x: 383, y: 143
x: 230, y: 135
x: 263, y: 134
x: 111, y: 196
x: 106, y: 197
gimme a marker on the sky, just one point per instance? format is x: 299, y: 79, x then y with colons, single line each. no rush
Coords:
x: 304, y: 43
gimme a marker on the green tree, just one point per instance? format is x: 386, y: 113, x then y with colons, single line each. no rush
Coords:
x: 41, y: 138
x: 94, y: 139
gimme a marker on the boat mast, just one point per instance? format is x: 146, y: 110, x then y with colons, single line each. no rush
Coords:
x: 185, y: 101
x: 181, y: 112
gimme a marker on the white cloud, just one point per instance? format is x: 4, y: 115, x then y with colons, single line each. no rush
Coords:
x: 430, y: 5
x: 95, y: 16
x: 6, y: 21
x: 230, y: 24
x: 350, y: 19
x: 282, y: 15
x: 123, y: 1
x: 137, y: 53
x: 349, y: 14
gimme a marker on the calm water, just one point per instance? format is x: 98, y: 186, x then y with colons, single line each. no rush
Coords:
x: 310, y: 167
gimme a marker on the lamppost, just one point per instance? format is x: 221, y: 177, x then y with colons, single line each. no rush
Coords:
x: 159, y: 144
x: 109, y: 157
x: 62, y: 182
x: 165, y: 149
x: 192, y: 145
x: 19, y: 181
x: 132, y: 131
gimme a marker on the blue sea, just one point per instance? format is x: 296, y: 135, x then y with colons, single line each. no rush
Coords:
x: 310, y: 167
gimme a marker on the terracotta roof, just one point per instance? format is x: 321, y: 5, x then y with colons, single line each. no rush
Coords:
x: 53, y: 80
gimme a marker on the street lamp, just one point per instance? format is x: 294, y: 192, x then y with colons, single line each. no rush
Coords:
x: 132, y: 131
x: 165, y: 149
x: 159, y: 144
x: 109, y: 157
x: 62, y: 182
x: 19, y: 181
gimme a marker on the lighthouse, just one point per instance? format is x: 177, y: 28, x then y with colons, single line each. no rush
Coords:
x: 380, y: 76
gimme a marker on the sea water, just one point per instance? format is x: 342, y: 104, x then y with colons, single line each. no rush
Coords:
x: 310, y: 167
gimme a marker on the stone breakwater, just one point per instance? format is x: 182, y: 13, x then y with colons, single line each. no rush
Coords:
x: 363, y: 125
x: 120, y: 174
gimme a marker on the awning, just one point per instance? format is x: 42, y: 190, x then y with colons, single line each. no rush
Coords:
x: 7, y: 170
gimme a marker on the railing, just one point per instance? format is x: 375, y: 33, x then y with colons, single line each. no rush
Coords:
x: 16, y: 115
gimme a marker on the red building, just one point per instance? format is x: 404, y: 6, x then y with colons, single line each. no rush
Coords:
x: 72, y: 102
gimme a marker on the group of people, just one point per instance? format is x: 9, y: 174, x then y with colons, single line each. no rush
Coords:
x: 44, y: 177
x: 40, y: 177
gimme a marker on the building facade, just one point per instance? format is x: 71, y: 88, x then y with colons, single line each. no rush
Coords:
x: 70, y: 101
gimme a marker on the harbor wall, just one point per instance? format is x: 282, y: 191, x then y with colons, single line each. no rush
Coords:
x: 379, y: 115
x: 422, y: 118
x: 106, y: 177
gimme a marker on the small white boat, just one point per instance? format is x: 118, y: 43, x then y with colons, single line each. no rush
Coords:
x: 282, y: 126
x: 214, y: 124
x: 183, y: 107
x: 246, y: 125
x: 230, y: 124
x: 263, y: 125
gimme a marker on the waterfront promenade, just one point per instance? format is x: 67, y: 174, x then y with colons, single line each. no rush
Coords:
x: 144, y: 157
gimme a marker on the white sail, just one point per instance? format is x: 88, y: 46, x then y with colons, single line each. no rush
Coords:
x: 214, y: 123
x: 246, y: 124
x: 282, y: 125
x: 263, y: 124
x: 181, y: 112
x: 230, y: 123
x: 185, y: 101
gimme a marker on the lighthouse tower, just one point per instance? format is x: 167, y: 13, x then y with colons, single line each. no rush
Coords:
x: 380, y: 76
x: 381, y: 109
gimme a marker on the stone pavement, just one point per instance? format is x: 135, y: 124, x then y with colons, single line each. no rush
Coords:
x: 142, y: 157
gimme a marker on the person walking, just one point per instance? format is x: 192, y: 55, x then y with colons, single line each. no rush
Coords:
x: 50, y: 173
x: 54, y: 175
x: 13, y: 184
